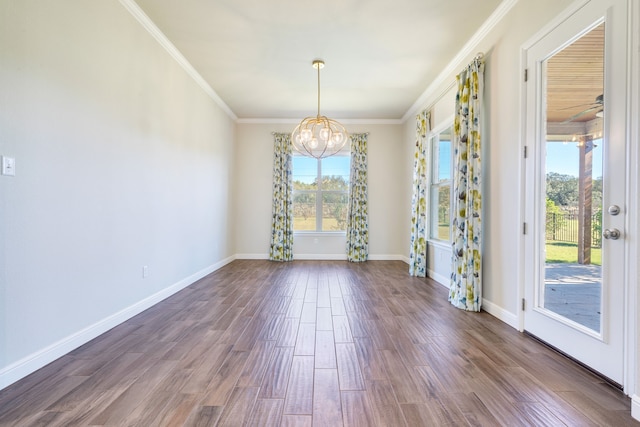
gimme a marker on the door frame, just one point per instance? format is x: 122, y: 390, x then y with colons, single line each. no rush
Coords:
x: 631, y: 318
x: 633, y: 216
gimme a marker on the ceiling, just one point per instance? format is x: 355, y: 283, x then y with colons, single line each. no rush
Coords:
x: 380, y: 55
x: 575, y: 78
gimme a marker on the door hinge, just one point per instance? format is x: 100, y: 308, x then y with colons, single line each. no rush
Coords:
x: 523, y: 304
x: 525, y: 152
x: 526, y: 74
x: 524, y: 228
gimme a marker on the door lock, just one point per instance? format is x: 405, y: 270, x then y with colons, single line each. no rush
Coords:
x: 611, y: 233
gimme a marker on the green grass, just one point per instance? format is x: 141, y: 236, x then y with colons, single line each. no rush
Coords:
x: 443, y: 231
x: 309, y: 224
x: 566, y: 252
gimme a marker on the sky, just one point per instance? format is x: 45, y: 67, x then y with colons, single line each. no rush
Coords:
x: 305, y: 169
x: 562, y: 158
x: 444, y: 162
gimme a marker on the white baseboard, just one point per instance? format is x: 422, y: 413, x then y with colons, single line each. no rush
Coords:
x: 635, y: 407
x: 491, y: 308
x: 37, y: 360
x: 500, y: 313
x: 327, y: 257
x: 442, y: 280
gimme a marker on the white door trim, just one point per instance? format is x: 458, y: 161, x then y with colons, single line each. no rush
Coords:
x: 632, y: 295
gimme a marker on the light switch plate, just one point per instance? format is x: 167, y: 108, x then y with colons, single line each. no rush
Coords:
x: 8, y: 166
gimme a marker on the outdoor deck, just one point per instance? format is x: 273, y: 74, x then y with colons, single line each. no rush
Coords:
x: 574, y: 291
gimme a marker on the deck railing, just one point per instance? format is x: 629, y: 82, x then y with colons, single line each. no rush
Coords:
x: 563, y: 227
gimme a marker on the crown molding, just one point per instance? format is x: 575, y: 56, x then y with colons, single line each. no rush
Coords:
x: 343, y: 121
x: 468, y: 50
x: 146, y: 22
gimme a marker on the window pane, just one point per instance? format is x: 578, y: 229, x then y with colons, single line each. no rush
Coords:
x: 304, y: 211
x: 334, y: 211
x: 434, y: 222
x: 305, y: 173
x: 444, y: 156
x: 443, y: 212
x: 335, y: 173
x: 440, y: 185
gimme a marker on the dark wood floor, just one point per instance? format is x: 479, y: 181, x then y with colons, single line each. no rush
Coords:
x: 313, y: 343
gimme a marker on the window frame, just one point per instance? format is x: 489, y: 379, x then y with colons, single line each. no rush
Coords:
x: 434, y: 184
x: 319, y: 192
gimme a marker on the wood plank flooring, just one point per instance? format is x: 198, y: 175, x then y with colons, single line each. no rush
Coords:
x: 313, y: 343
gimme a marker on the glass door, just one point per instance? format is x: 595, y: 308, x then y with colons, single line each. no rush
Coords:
x: 575, y: 187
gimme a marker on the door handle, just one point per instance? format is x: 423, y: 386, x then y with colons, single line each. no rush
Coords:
x: 611, y: 233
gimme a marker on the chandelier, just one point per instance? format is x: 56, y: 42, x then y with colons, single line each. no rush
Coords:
x: 319, y: 136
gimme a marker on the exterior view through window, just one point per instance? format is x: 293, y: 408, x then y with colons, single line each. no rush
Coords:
x: 440, y: 211
x: 320, y: 193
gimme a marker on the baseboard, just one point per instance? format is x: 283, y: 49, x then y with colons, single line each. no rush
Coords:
x: 491, y: 308
x: 326, y: 257
x: 442, y: 280
x: 500, y: 313
x: 635, y: 407
x: 43, y: 357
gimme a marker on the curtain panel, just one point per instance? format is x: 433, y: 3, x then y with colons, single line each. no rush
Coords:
x: 358, y: 212
x: 418, y: 250
x: 466, y: 205
x: 281, y: 248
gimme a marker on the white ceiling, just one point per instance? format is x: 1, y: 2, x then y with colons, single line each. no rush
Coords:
x: 380, y: 55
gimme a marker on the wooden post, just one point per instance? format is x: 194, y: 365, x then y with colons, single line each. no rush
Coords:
x: 585, y: 199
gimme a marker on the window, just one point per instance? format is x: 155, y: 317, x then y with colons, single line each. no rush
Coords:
x: 440, y: 187
x: 320, y: 193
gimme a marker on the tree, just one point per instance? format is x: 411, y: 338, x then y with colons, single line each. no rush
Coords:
x: 554, y: 219
x: 334, y: 183
x: 596, y: 194
x: 562, y: 190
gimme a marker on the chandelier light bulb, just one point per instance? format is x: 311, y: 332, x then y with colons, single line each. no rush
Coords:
x: 325, y: 134
x: 313, y: 143
x: 306, y: 135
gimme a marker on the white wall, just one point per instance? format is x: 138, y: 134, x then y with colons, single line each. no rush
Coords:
x: 388, y: 224
x: 122, y: 161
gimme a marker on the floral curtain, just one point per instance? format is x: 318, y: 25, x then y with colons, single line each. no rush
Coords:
x: 358, y: 215
x: 466, y: 205
x: 282, y: 211
x: 418, y: 251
